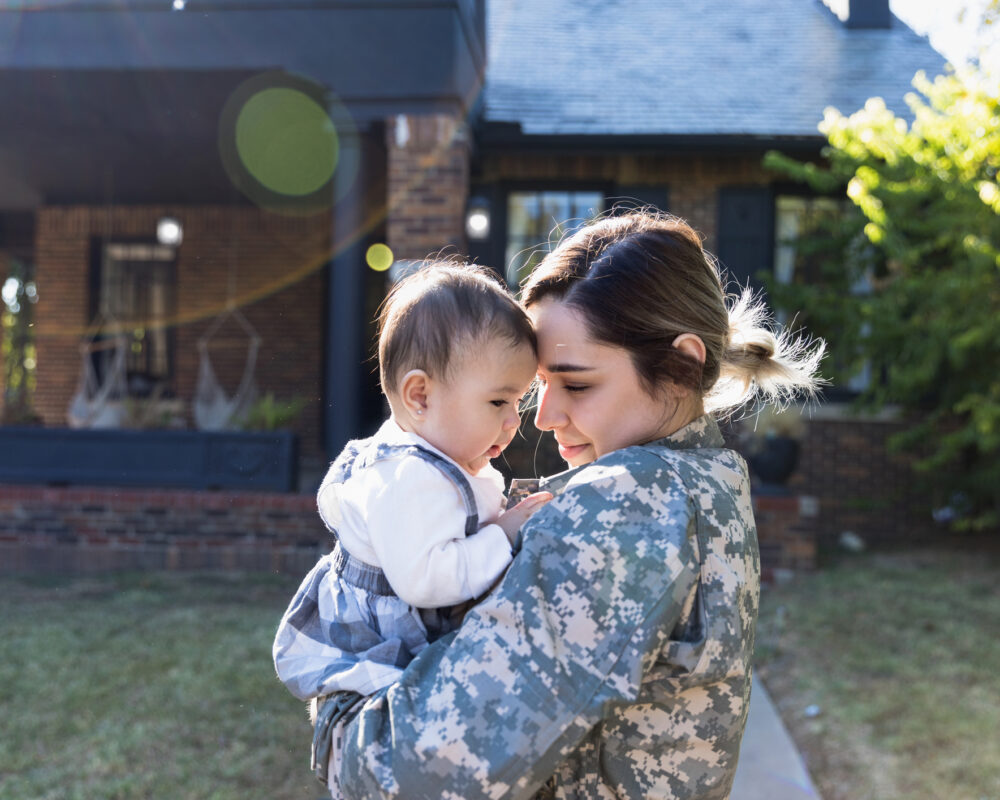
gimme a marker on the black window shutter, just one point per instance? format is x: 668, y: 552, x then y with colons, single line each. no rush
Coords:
x: 746, y: 233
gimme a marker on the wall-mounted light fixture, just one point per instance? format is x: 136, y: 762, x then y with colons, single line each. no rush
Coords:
x: 477, y: 219
x: 169, y: 231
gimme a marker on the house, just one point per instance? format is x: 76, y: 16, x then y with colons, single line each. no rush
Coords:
x: 199, y: 183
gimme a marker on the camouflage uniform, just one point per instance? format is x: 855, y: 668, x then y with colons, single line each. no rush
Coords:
x: 613, y: 661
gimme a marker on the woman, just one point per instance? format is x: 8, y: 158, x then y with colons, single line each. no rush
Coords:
x: 614, y: 658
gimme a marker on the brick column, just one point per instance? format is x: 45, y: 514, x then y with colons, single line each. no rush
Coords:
x: 428, y: 184
x: 62, y: 263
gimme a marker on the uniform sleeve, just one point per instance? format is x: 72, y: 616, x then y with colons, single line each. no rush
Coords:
x: 591, y: 598
x: 416, y: 526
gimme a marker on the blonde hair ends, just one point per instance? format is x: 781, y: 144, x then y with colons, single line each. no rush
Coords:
x: 762, y: 362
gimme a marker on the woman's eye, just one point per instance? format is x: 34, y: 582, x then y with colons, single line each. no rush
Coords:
x: 575, y: 387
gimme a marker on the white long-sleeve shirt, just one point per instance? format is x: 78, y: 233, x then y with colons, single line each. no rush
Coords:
x: 403, y: 515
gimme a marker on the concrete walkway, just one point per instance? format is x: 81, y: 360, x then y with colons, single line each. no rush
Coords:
x: 770, y: 768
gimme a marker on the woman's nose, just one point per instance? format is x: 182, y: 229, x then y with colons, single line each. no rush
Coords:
x: 547, y: 414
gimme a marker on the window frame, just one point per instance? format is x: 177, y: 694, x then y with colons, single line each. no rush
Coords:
x: 166, y: 382
x: 857, y: 384
x: 604, y: 189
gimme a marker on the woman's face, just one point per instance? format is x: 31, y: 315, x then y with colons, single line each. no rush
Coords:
x: 590, y: 395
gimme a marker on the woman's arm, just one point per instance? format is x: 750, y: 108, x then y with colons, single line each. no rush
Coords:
x: 593, y: 595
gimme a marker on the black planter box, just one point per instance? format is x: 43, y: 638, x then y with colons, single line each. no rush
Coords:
x: 257, y: 461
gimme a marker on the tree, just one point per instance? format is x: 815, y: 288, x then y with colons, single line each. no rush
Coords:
x: 908, y: 278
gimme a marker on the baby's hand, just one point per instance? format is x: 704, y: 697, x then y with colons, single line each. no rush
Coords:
x: 512, y: 519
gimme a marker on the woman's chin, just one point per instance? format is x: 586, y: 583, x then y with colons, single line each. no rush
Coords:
x: 577, y: 454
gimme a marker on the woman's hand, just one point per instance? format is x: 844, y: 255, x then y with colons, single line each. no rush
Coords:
x: 512, y: 519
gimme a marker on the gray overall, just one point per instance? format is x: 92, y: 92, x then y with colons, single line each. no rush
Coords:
x: 357, y: 634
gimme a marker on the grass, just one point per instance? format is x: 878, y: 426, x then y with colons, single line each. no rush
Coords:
x: 161, y: 685
x: 151, y: 686
x: 899, y: 658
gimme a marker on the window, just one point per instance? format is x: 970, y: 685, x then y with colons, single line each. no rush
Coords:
x: 536, y: 220
x: 136, y: 288
x: 796, y: 216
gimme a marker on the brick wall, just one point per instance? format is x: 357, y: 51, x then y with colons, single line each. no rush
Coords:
x: 274, y: 264
x: 428, y: 184
x: 845, y: 481
x: 73, y: 530
x: 855, y: 482
x: 693, y: 180
x: 860, y: 486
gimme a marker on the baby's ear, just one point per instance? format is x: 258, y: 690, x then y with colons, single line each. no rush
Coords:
x: 413, y: 390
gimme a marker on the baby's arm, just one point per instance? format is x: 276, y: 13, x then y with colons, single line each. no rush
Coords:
x: 416, y: 524
x: 512, y: 519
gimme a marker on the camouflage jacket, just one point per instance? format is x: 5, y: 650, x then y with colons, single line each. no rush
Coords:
x: 613, y: 661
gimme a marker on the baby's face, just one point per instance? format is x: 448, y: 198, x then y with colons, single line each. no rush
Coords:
x: 472, y: 415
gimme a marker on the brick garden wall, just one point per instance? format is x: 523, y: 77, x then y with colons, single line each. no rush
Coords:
x: 860, y: 486
x: 845, y: 481
x: 276, y: 263
x: 84, y: 530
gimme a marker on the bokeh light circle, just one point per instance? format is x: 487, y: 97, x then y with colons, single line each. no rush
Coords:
x: 379, y: 257
x: 286, y: 140
x: 289, y: 144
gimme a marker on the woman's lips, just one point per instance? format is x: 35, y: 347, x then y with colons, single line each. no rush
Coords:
x: 569, y: 451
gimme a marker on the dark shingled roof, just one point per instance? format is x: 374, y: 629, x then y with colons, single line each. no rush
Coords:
x: 666, y: 67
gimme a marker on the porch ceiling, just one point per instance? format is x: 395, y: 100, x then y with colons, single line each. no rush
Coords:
x: 120, y: 101
x: 89, y: 136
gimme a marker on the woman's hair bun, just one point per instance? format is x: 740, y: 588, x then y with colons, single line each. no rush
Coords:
x: 762, y: 361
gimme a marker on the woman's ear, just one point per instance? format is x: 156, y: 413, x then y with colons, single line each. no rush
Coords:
x: 413, y: 390
x: 691, y: 345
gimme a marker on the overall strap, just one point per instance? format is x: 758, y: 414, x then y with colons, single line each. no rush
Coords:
x: 360, y: 454
x: 451, y: 471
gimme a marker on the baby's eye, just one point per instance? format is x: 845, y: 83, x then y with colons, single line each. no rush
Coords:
x: 576, y: 387
x: 498, y: 403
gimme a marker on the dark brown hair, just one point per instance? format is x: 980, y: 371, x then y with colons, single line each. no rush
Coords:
x: 444, y: 306
x: 642, y: 279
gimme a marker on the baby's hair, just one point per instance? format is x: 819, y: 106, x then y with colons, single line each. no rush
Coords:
x: 642, y: 279
x: 443, y: 307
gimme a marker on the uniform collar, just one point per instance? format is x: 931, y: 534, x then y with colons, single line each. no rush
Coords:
x: 702, y: 432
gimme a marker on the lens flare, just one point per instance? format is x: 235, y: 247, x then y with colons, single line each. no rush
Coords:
x: 379, y: 257
x: 287, y: 141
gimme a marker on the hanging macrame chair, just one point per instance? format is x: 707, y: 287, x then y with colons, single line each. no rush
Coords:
x: 212, y: 408
x: 94, y: 403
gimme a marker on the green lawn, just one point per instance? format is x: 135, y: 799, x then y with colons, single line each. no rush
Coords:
x: 900, y: 655
x: 153, y: 686
x: 161, y: 685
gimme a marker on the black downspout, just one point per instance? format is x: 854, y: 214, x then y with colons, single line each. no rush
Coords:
x: 345, y: 350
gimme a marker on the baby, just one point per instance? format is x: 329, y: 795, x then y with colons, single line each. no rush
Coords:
x: 417, y: 509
